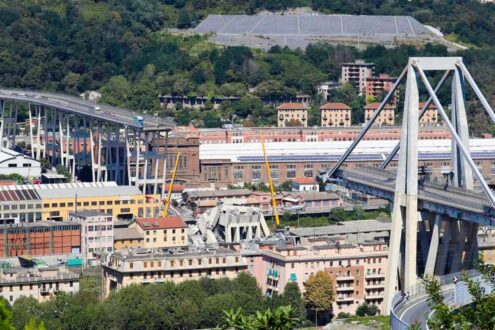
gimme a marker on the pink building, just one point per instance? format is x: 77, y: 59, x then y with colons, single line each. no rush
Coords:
x: 357, y: 270
x: 96, y: 234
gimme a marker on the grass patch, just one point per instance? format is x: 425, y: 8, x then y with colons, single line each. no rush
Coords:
x: 452, y: 37
x: 377, y: 322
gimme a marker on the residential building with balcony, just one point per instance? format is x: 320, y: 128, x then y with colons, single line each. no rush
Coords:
x: 139, y: 266
x: 335, y: 114
x: 378, y: 87
x: 292, y: 115
x: 356, y: 74
x: 357, y: 270
x: 386, y: 116
x: 40, y: 283
x: 431, y: 114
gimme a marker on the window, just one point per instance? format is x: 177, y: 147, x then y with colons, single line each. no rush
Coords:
x: 308, y: 170
x: 85, y: 203
x: 238, y: 172
x: 12, y: 165
x: 256, y: 172
x: 291, y: 171
x: 274, y: 171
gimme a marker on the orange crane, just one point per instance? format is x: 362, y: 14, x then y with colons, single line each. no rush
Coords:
x: 270, y: 182
x: 170, y: 188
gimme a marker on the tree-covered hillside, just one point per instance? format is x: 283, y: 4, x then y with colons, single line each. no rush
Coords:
x: 121, y: 48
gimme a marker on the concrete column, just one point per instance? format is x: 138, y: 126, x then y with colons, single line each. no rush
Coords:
x: 423, y: 236
x: 128, y: 156
x: 450, y: 226
x: 164, y: 173
x: 146, y: 157
x: 405, y: 207
x: 118, y: 176
x: 92, y: 146
x: 463, y: 175
x: 107, y: 154
x: 433, y: 250
x: 137, y: 144
x: 100, y: 133
x: 30, y: 129
x: 2, y: 109
x: 156, y: 146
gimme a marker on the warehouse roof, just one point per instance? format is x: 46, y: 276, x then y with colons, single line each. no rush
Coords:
x: 120, y: 234
x: 346, y: 227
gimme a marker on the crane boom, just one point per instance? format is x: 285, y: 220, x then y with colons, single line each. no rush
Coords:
x: 171, y: 187
x: 270, y: 182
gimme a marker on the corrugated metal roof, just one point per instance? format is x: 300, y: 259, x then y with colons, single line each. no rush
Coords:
x: 61, y: 190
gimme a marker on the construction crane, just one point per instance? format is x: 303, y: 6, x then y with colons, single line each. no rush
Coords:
x: 270, y: 182
x: 171, y: 187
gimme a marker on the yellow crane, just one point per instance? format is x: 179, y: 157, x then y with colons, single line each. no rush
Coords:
x: 171, y: 187
x: 270, y: 182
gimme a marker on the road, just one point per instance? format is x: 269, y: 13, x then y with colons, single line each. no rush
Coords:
x: 417, y: 309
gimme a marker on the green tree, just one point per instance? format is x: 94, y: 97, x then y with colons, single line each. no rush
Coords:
x: 117, y: 91
x: 337, y: 214
x: 184, y: 20
x: 318, y: 293
x: 292, y: 297
x: 285, y: 186
x: 33, y: 325
x: 366, y: 309
x: 5, y: 316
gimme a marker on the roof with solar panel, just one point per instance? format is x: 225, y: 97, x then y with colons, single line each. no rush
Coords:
x: 262, y: 31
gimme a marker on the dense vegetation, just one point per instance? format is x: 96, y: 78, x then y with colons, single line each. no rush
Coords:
x: 189, y: 305
x: 477, y: 315
x: 122, y: 49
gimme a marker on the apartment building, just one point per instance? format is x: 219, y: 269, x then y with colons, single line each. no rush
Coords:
x: 378, y: 87
x: 431, y: 114
x: 386, y: 116
x: 292, y: 115
x: 357, y: 270
x: 96, y: 234
x: 40, y: 284
x: 40, y: 238
x: 139, y: 266
x: 163, y: 232
x: 334, y: 114
x: 356, y: 73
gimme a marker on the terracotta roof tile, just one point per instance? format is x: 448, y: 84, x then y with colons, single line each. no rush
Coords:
x: 161, y: 223
x: 292, y: 106
x: 304, y: 180
x: 335, y: 106
x: 375, y: 106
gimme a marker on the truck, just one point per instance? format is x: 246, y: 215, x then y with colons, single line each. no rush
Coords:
x: 139, y: 120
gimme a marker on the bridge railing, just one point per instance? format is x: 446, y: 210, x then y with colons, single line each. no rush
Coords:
x: 395, y: 322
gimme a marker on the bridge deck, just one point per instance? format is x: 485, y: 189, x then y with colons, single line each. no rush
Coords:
x: 77, y: 106
x: 458, y: 198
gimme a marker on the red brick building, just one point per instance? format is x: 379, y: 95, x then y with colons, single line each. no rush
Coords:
x: 40, y: 238
x: 377, y: 87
